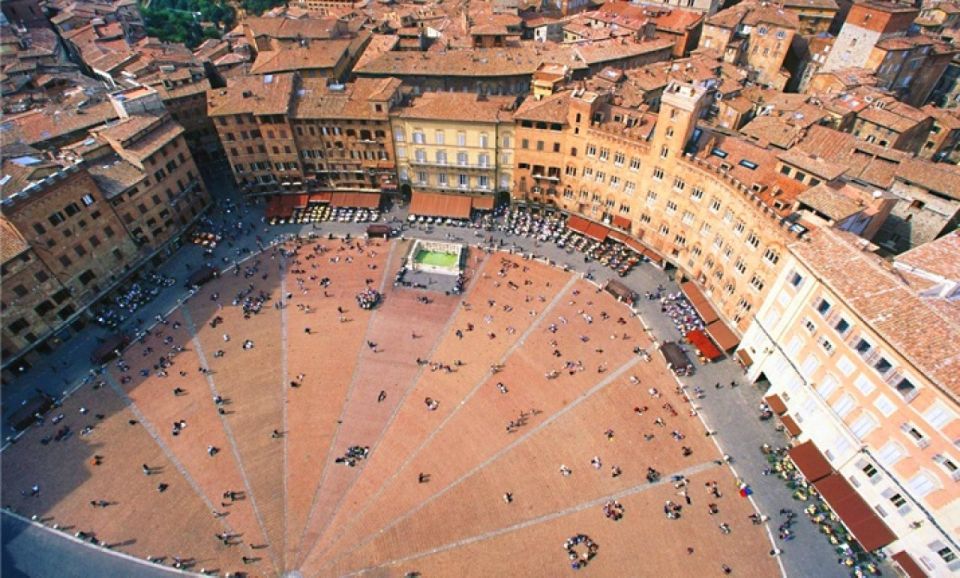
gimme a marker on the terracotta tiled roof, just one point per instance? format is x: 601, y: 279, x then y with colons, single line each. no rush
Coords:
x: 476, y: 62
x: 865, y: 162
x: 115, y: 175
x: 611, y: 51
x: 904, y: 319
x: 378, y: 45
x: 318, y: 54
x: 460, y: 106
x: 947, y: 118
x: 290, y: 28
x: 754, y: 13
x: 551, y: 108
x: 189, y: 89
x: 939, y: 257
x: 940, y: 177
x: 772, y: 130
x: 836, y: 204
x: 676, y: 19
x: 316, y: 100
x: 933, y: 270
x: 18, y: 171
x: 813, y: 164
x: 269, y: 94
x: 815, y: 4
x: 129, y: 128
x: 888, y: 119
x: 12, y: 242
x: 750, y: 164
x: 40, y: 125
x: 153, y: 141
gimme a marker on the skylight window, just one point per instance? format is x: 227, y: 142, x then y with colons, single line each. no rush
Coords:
x: 748, y: 164
x: 718, y: 152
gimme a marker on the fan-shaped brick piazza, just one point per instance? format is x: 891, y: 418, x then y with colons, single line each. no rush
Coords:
x: 430, y: 497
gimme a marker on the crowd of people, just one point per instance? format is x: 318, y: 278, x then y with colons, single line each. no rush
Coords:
x: 579, y: 557
x: 679, y: 309
x: 368, y: 298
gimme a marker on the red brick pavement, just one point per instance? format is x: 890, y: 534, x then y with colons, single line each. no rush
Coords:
x: 391, y: 369
x: 142, y: 520
x: 155, y: 400
x: 328, y: 357
x: 643, y: 543
x: 414, y: 423
x: 328, y: 519
x: 486, y: 415
x: 249, y: 381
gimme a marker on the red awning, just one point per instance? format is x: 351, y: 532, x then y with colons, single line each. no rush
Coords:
x: 909, y: 565
x: 320, y: 197
x: 283, y: 205
x: 706, y: 347
x: 790, y: 425
x: 653, y: 256
x: 699, y: 302
x: 618, y: 236
x: 635, y: 245
x: 355, y: 200
x: 744, y: 357
x: 578, y: 224
x: 865, y: 525
x: 810, y: 461
x: 597, y: 232
x: 452, y: 206
x: 484, y: 203
x: 722, y: 335
x: 621, y: 222
x: 776, y: 404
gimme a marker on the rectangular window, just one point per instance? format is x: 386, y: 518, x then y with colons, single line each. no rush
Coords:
x: 823, y: 307
x: 844, y: 405
x: 882, y: 365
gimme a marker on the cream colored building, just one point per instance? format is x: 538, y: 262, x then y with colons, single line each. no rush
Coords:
x: 455, y: 143
x: 865, y: 357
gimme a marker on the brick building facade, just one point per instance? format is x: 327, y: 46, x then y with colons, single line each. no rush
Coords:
x: 702, y: 202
